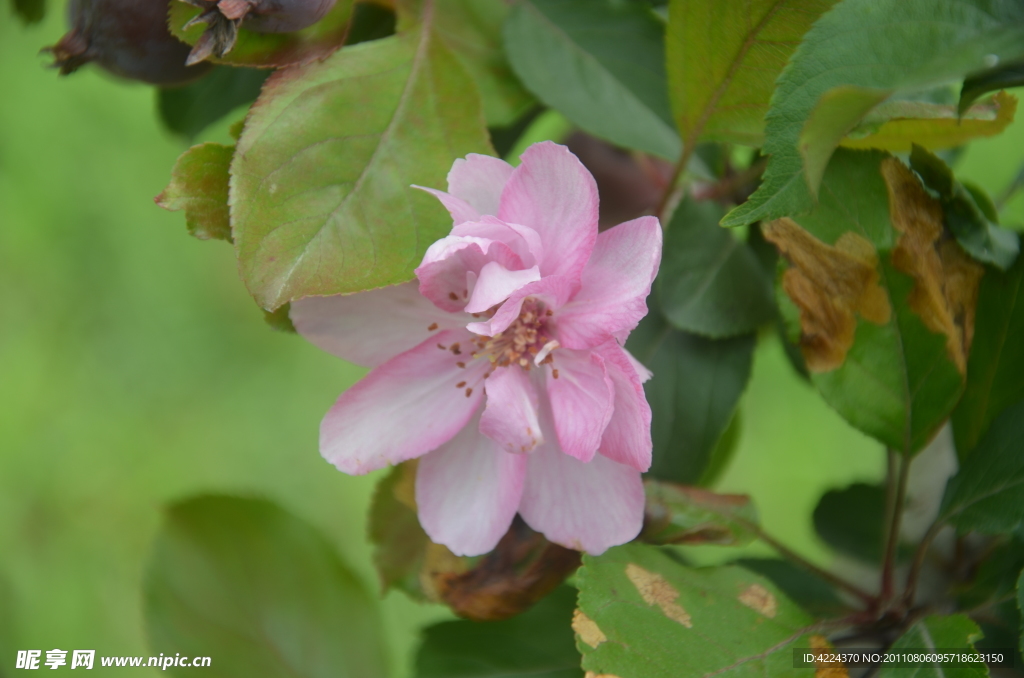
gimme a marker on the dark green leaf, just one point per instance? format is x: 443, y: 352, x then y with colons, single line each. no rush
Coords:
x: 807, y: 591
x: 946, y: 632
x: 601, y: 64
x: 996, y: 577
x: 723, y: 60
x: 1000, y: 77
x: 995, y: 370
x: 30, y: 11
x: 710, y: 282
x: 722, y: 454
x: 259, y: 591
x: 1020, y: 606
x: 969, y: 221
x: 199, y: 185
x: 693, y: 394
x: 536, y: 644
x: 321, y: 196
x: 987, y: 494
x: 644, y: 615
x: 677, y: 514
x: 854, y: 58
x: 190, y: 109
x: 852, y: 521
x: 370, y: 21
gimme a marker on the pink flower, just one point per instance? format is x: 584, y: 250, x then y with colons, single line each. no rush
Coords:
x: 503, y: 369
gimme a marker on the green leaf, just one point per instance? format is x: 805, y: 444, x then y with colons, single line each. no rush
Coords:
x: 271, y: 50
x: 199, y: 185
x: 536, y: 644
x: 472, y: 30
x: 1020, y: 606
x: 281, y: 319
x: 995, y: 369
x: 987, y: 494
x: 399, y: 543
x: 190, y: 109
x: 676, y: 514
x: 601, y: 64
x: 321, y: 197
x: 644, y: 615
x: 723, y: 60
x: 710, y: 282
x: 880, y: 301
x: 946, y: 632
x: 30, y: 11
x: 370, y: 21
x: 1000, y: 77
x: 996, y: 578
x: 809, y: 592
x: 259, y: 591
x: 969, y: 221
x: 693, y: 394
x: 854, y: 58
x: 852, y: 521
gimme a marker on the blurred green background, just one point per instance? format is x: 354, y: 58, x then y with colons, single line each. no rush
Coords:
x: 135, y: 370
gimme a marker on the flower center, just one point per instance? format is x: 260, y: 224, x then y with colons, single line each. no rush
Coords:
x: 526, y: 341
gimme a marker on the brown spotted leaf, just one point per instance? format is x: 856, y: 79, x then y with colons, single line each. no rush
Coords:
x: 880, y: 298
x: 199, y: 185
x: 677, y: 514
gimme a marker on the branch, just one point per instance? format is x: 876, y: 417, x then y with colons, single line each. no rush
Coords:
x: 891, y: 542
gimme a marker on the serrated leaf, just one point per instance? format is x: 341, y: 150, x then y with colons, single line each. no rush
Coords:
x: 851, y: 521
x: 809, y: 592
x: 599, y: 63
x: 270, y: 50
x: 711, y: 283
x: 995, y: 578
x: 199, y: 185
x: 190, y: 109
x: 263, y: 592
x: 1000, y: 77
x: 948, y: 632
x: 472, y: 30
x: 881, y: 302
x: 536, y: 644
x: 995, y: 369
x: 320, y: 193
x: 897, y: 125
x: 30, y: 11
x: 987, y: 494
x: 677, y: 514
x: 693, y: 394
x: 854, y: 58
x: 648, y: 616
x: 723, y: 59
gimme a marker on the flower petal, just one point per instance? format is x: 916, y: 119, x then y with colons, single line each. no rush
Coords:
x: 460, y: 210
x: 451, y: 265
x: 523, y: 240
x: 495, y: 283
x: 585, y: 506
x: 510, y: 416
x: 479, y: 181
x: 468, y: 491
x: 555, y: 195
x: 404, y: 408
x: 627, y: 438
x: 582, y: 396
x: 614, y: 285
x: 554, y: 291
x: 371, y: 327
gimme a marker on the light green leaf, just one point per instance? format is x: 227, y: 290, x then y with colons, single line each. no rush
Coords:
x: 711, y: 283
x: 601, y: 64
x: 855, y: 57
x: 320, y: 193
x: 693, y: 393
x: 199, y: 185
x: 260, y: 592
x: 472, y: 30
x: 723, y: 60
x: 190, y: 109
x: 677, y: 514
x: 536, y: 644
x: 878, y: 300
x: 952, y: 632
x: 987, y: 494
x: 644, y: 615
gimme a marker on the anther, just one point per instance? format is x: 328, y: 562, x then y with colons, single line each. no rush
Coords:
x: 460, y: 384
x: 469, y: 392
x: 433, y: 326
x: 453, y: 296
x: 554, y: 373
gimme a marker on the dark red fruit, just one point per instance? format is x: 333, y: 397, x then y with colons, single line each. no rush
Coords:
x: 129, y: 38
x: 260, y: 16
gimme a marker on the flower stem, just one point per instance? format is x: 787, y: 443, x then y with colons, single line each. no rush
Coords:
x: 895, y: 519
x: 684, y: 160
x: 915, y: 568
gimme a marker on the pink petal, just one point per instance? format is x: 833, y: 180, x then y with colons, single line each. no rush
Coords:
x: 614, y: 285
x: 479, y: 181
x: 510, y: 416
x: 460, y: 210
x: 451, y: 266
x: 555, y: 195
x: 495, y: 283
x: 582, y: 397
x: 467, y: 492
x: 553, y: 290
x: 522, y: 240
x: 404, y: 408
x: 372, y: 327
x: 585, y: 506
x: 627, y: 438
x: 641, y: 369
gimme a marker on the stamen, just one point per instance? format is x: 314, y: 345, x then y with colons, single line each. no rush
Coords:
x: 469, y: 392
x: 460, y: 384
x: 460, y: 365
x: 554, y: 373
x: 433, y: 326
x: 453, y: 296
x: 545, y: 351
x: 442, y: 347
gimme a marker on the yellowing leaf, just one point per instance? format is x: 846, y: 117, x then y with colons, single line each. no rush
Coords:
x: 587, y: 630
x: 199, y: 185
